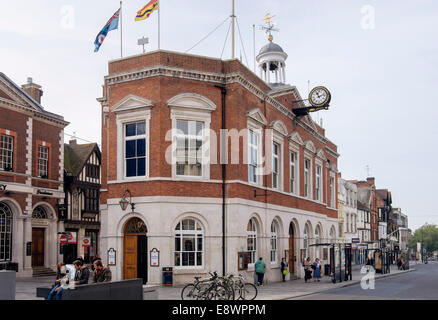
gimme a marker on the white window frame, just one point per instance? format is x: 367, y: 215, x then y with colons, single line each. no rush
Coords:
x: 276, y: 176
x: 43, y: 163
x: 122, y: 120
x: 195, y: 233
x: 319, y: 186
x: 258, y: 131
x: 274, y: 242
x: 310, y: 177
x: 295, y: 149
x: 131, y: 138
x: 252, y: 235
x: 5, y: 151
x: 190, y: 136
x: 199, y: 115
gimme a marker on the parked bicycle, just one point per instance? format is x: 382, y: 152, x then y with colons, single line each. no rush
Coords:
x: 219, y: 288
x: 207, y: 289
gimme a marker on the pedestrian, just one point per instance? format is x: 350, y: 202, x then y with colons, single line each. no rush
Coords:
x: 101, y: 273
x: 307, y: 269
x: 82, y: 273
x: 60, y: 282
x: 399, y: 263
x: 284, y: 269
x: 317, y: 270
x: 260, y: 269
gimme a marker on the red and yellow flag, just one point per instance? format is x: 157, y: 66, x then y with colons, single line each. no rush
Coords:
x: 147, y: 10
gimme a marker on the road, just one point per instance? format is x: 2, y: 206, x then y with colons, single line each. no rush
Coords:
x: 418, y: 285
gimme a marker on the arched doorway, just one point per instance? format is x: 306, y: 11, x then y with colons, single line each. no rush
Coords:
x: 39, y: 215
x: 292, y: 255
x: 135, y: 250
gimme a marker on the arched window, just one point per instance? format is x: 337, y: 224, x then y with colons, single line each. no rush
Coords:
x: 252, y: 240
x: 189, y: 244
x: 40, y: 213
x: 5, y: 232
x: 317, y: 241
x: 306, y: 238
x: 332, y: 235
x: 274, y: 243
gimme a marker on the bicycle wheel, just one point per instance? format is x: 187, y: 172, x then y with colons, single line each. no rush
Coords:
x: 219, y: 292
x: 188, y: 292
x: 248, y: 292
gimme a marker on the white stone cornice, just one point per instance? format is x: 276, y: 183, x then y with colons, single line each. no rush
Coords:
x: 213, y: 77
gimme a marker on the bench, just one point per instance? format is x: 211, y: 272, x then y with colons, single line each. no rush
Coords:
x: 131, y: 289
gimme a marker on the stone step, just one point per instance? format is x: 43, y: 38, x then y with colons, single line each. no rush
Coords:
x: 43, y: 272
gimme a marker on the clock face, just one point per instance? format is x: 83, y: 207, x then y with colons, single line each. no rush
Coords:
x: 319, y: 97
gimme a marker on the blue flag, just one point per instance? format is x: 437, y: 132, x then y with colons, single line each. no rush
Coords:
x: 112, y: 24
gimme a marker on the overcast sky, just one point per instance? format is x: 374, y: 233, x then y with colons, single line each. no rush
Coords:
x: 382, y: 72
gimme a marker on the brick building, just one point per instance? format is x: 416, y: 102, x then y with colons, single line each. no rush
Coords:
x: 162, y: 114
x: 31, y: 178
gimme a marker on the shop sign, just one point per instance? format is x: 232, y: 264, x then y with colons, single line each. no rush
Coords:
x: 3, y: 187
x: 355, y: 240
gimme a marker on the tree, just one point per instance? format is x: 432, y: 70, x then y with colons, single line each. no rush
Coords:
x: 427, y: 235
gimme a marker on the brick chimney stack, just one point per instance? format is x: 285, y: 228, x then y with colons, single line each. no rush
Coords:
x: 33, y: 89
x: 371, y: 181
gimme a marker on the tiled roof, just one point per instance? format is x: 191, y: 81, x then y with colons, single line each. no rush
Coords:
x: 76, y: 155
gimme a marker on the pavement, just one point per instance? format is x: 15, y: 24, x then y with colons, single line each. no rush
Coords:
x: 26, y: 287
x: 418, y: 285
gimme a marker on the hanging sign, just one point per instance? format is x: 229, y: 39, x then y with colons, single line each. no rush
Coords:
x: 86, y: 242
x: 63, y: 239
x: 111, y: 257
x: 155, y: 258
x: 72, y: 237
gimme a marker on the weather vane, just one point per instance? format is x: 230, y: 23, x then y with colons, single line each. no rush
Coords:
x: 270, y: 27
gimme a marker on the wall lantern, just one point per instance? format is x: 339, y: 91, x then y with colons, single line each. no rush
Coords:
x: 124, y: 202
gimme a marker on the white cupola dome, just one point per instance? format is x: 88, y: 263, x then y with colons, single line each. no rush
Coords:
x: 272, y: 64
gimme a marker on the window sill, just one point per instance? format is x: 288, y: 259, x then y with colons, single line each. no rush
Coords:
x: 189, y: 270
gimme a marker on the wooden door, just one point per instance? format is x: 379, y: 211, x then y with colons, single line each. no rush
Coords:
x: 37, y: 247
x: 130, y: 257
x: 291, y: 254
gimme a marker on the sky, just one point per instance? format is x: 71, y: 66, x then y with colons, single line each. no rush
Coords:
x: 378, y: 58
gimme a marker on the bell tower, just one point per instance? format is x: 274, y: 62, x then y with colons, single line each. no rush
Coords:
x: 271, y: 58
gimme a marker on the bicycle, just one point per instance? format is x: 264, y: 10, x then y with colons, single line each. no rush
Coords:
x: 246, y: 291
x: 208, y: 289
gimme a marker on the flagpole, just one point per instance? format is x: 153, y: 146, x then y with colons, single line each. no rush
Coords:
x: 159, y: 5
x: 121, y: 31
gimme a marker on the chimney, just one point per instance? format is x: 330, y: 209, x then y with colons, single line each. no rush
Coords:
x: 33, y: 89
x: 371, y: 181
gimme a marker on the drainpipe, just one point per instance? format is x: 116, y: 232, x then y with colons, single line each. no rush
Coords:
x: 224, y: 176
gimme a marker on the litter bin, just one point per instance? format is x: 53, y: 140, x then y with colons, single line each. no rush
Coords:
x: 167, y: 276
x: 327, y: 270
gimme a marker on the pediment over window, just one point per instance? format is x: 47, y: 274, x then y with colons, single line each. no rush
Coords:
x: 191, y: 101
x: 257, y: 115
x: 279, y: 126
x: 131, y: 102
x: 321, y: 155
x: 295, y: 137
x: 310, y: 146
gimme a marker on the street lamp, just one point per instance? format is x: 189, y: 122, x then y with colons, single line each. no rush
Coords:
x: 124, y: 201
